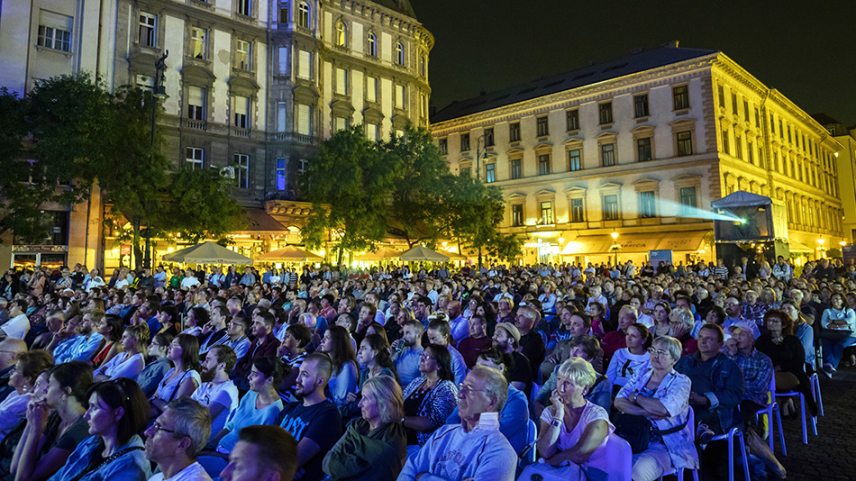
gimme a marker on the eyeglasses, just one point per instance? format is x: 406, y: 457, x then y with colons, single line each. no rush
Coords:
x: 657, y: 352
x: 426, y: 356
x: 157, y: 427
x: 465, y: 389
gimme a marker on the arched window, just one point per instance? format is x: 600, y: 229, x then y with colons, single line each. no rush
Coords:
x: 399, y: 53
x: 341, y: 34
x: 372, y: 44
x: 303, y: 15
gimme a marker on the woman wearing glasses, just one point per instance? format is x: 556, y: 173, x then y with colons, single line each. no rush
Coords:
x: 430, y: 398
x: 661, y: 395
x: 631, y: 359
x: 117, y: 411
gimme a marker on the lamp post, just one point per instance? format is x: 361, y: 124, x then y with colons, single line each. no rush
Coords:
x: 820, y: 247
x: 615, y: 245
x: 481, y: 142
x: 158, y: 90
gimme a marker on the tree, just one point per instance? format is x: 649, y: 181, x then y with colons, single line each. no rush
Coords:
x: 349, y: 185
x: 505, y: 247
x: 198, y: 205
x: 473, y: 211
x: 417, y: 191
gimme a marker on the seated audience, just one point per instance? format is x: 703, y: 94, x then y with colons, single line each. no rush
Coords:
x: 632, y: 359
x: 130, y: 362
x: 430, y: 398
x: 183, y: 378
x: 175, y: 439
x: 157, y: 364
x: 262, y: 453
x: 343, y: 381
x: 217, y: 392
x: 28, y: 366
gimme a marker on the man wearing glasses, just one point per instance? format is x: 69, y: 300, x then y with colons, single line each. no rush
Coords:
x: 474, y: 449
x: 175, y: 439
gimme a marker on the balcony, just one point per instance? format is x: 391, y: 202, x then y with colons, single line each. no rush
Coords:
x: 194, y: 124
x: 294, y: 137
x: 240, y: 132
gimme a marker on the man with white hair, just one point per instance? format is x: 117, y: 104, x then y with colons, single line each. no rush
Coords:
x: 175, y: 439
x: 474, y: 449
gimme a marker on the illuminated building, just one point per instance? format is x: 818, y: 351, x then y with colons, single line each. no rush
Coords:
x: 640, y: 146
x: 250, y: 87
x: 846, y: 161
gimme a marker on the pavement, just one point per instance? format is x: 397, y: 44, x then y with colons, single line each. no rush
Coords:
x: 829, y: 456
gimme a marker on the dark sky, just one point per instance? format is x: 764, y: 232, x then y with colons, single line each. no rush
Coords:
x: 807, y: 50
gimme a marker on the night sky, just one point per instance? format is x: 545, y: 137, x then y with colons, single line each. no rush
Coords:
x: 804, y: 49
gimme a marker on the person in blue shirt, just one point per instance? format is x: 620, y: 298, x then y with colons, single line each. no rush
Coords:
x: 117, y: 411
x: 83, y: 343
x: 514, y: 416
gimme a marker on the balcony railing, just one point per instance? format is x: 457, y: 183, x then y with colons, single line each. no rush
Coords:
x: 194, y: 124
x: 294, y: 137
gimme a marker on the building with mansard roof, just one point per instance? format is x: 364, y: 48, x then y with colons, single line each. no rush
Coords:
x: 637, y: 148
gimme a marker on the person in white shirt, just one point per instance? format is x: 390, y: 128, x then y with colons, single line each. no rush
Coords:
x: 189, y: 280
x: 217, y: 392
x: 175, y: 439
x: 131, y: 361
x: 18, y: 324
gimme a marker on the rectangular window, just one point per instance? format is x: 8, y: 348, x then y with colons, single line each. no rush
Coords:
x: 304, y: 119
x: 443, y: 145
x: 241, y: 109
x: 647, y: 204
x: 195, y: 157
x: 199, y: 43
x: 721, y: 95
x: 488, y: 137
x: 610, y: 207
x: 726, y: 147
x: 243, y: 55
x: 607, y: 155
x: 544, y: 164
x: 282, y: 61
x: 339, y: 124
x: 575, y: 161
x: 55, y: 31
x: 516, y: 168
x: 640, y: 106
x: 242, y: 170
x: 750, y: 150
x: 465, y: 142
x: 371, y: 89
x: 542, y: 127
x: 546, y: 213
x: 605, y: 113
x: 304, y: 65
x: 490, y: 173
x: 757, y: 118
x: 341, y: 81
x: 283, y: 15
x: 572, y: 118
x: 681, y: 97
x: 466, y: 172
x: 195, y: 103
x: 738, y: 146
x: 578, y: 212
x: 643, y: 149
x: 399, y: 97
x: 373, y: 132
x: 514, y: 132
x: 746, y: 109
x: 280, y: 174
x: 688, y: 200
x: 517, y: 215
x: 685, y: 142
x: 245, y: 7
x: 280, y: 116
x: 148, y: 30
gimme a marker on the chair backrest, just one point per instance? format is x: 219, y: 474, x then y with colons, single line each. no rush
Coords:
x: 611, y: 462
x: 531, y: 438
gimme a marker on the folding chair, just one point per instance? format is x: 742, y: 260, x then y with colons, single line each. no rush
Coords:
x: 774, y: 415
x: 679, y: 473
x: 729, y: 437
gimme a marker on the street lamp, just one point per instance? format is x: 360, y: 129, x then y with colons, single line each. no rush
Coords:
x: 820, y: 247
x: 615, y: 246
x: 158, y: 90
x: 481, y: 143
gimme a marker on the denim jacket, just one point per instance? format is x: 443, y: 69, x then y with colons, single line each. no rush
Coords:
x: 674, y: 393
x: 719, y: 380
x: 130, y: 466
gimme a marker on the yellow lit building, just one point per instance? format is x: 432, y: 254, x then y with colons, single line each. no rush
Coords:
x: 625, y: 157
x: 846, y: 161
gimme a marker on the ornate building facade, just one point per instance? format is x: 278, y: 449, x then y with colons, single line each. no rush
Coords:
x: 249, y: 87
x: 624, y: 157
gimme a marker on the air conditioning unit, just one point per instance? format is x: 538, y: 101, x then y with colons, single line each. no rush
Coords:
x: 228, y: 172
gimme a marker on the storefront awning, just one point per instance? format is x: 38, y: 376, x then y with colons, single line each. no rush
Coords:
x: 795, y: 246
x: 635, y: 243
x: 260, y: 221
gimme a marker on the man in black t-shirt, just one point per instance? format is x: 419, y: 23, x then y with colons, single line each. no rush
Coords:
x: 506, y: 338
x: 313, y: 421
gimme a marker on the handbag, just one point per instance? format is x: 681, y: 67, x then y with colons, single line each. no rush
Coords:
x: 835, y: 334
x: 544, y: 472
x: 636, y: 430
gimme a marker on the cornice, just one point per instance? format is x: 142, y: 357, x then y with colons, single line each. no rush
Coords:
x: 189, y: 12
x: 353, y: 59
x: 387, y: 17
x: 604, y: 90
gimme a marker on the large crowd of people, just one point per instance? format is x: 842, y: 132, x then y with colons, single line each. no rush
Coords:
x: 407, y: 372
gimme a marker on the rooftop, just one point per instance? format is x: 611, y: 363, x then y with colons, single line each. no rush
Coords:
x: 598, y: 72
x: 400, y: 6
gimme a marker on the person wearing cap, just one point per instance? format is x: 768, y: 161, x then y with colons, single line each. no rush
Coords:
x: 506, y: 338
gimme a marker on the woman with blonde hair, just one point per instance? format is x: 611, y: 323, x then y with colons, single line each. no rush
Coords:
x: 375, y: 444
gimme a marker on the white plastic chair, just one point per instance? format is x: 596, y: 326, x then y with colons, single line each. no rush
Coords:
x: 730, y: 437
x: 614, y: 459
x: 679, y: 473
x: 774, y: 415
x: 801, y: 397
